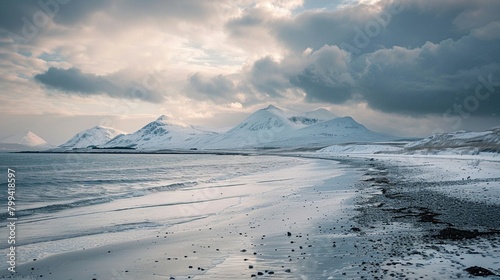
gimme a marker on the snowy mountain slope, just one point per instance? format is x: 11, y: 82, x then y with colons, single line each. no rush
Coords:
x: 334, y: 131
x: 95, y: 136
x: 263, y: 126
x: 472, y: 141
x: 163, y: 133
x: 23, y: 141
x: 276, y: 127
x: 362, y: 148
x: 316, y: 116
x: 29, y: 139
x: 268, y: 127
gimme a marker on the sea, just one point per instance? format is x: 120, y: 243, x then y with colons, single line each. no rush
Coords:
x: 69, y: 201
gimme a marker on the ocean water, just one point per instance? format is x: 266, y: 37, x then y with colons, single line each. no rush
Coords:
x: 71, y: 201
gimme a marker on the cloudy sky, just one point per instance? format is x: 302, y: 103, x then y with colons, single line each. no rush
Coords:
x: 409, y: 68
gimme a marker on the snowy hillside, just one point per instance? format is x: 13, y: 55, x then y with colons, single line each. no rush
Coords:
x: 454, y: 143
x: 265, y: 126
x: 362, y: 148
x: 95, y: 136
x: 471, y: 142
x: 334, y: 131
x: 268, y: 127
x: 163, y: 133
x: 260, y: 127
x: 313, y: 117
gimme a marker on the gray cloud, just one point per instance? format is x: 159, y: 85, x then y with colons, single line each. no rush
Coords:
x: 406, y: 23
x: 216, y: 88
x: 433, y: 78
x: 73, y: 80
x: 326, y: 76
x: 117, y: 85
x: 409, y: 57
x: 34, y: 23
x: 36, y: 14
x: 267, y: 76
x: 14, y: 14
x: 11, y: 13
x: 253, y: 17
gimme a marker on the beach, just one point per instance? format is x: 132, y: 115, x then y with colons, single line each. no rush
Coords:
x: 222, y: 228
x: 324, y: 217
x: 431, y: 216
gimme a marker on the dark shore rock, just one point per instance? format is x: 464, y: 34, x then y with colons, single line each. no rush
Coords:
x: 355, y: 229
x: 458, y: 234
x: 479, y: 271
x: 381, y: 180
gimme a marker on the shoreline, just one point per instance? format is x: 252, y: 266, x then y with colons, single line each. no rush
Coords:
x: 120, y: 150
x: 390, y: 218
x: 248, y: 237
x: 440, y: 211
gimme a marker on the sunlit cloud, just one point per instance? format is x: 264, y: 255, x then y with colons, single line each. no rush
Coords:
x: 199, y: 60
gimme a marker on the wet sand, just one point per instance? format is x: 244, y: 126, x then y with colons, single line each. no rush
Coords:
x: 274, y: 226
x: 379, y: 217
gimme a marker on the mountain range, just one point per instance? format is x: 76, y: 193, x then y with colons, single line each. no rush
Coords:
x: 461, y: 141
x: 163, y: 133
x: 268, y: 127
x: 265, y: 127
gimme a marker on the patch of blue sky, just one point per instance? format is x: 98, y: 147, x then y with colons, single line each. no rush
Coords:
x: 55, y: 56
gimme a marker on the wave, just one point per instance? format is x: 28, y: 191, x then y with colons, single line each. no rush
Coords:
x: 106, y: 229
x: 98, y: 200
x: 41, y: 181
x: 89, y: 232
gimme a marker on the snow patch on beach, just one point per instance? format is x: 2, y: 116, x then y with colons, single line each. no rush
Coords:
x: 360, y: 149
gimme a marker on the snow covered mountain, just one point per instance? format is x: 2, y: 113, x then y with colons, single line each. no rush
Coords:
x: 29, y: 139
x: 453, y: 143
x: 467, y: 142
x: 95, y: 136
x: 163, y: 133
x: 268, y: 127
x: 265, y: 126
x: 334, y: 131
x: 23, y: 141
x: 277, y: 127
x: 261, y: 127
x: 316, y: 116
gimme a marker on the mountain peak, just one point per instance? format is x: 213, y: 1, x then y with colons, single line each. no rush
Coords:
x: 347, y: 118
x: 321, y: 111
x: 31, y: 139
x: 102, y: 127
x: 321, y: 114
x: 28, y: 139
x: 29, y: 133
x: 272, y: 107
x: 163, y: 133
x: 164, y: 119
x: 94, y: 136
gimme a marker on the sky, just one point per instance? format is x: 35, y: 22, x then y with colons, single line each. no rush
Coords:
x: 409, y: 68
